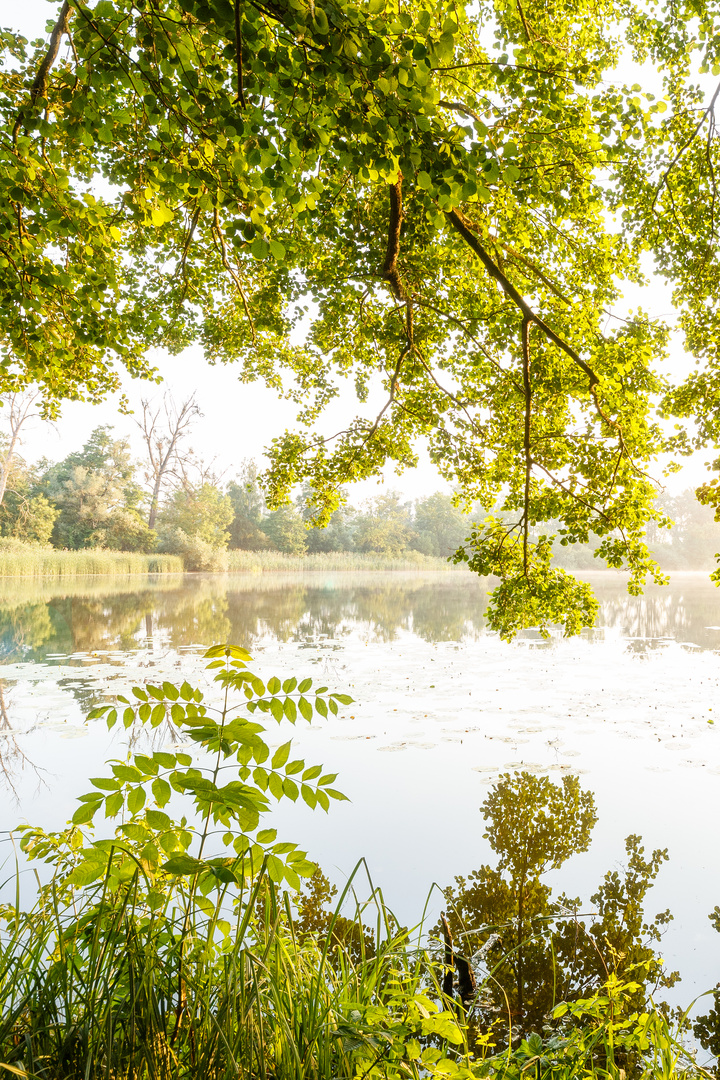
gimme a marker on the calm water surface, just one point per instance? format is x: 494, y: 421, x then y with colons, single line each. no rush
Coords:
x: 442, y: 708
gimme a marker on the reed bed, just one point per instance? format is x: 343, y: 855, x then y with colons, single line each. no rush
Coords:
x: 28, y: 560
x: 267, y: 561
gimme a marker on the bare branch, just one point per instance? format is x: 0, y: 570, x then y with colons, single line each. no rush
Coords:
x: 163, y: 430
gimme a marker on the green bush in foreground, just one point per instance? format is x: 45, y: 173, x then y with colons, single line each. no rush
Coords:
x: 172, y: 950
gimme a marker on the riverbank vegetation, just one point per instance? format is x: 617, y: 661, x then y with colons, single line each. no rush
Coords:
x: 100, y: 501
x: 191, y: 941
x: 35, y: 560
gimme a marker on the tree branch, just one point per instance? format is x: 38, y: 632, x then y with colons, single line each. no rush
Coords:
x: 39, y: 86
x: 461, y: 226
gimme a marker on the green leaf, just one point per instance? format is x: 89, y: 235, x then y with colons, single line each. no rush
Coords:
x: 182, y: 864
x: 266, y: 836
x: 290, y: 788
x: 312, y: 772
x: 276, y: 709
x: 114, y: 804
x: 276, y: 870
x: 105, y: 784
x: 305, y: 686
x: 281, y: 755
x: 275, y: 785
x: 157, y: 715
x: 320, y: 706
x: 161, y: 791
x: 85, y: 813
x: 156, y: 819
x: 309, y: 796
x: 127, y: 772
x: 277, y: 250
x: 305, y: 708
x: 290, y: 710
x: 136, y: 800
x: 338, y: 795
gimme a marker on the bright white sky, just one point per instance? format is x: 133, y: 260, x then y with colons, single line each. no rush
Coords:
x: 240, y: 420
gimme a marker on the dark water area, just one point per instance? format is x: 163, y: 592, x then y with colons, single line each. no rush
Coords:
x: 446, y: 719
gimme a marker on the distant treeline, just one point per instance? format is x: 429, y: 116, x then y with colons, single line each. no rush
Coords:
x: 99, y: 497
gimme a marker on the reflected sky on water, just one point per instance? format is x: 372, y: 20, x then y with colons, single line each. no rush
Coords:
x: 442, y: 709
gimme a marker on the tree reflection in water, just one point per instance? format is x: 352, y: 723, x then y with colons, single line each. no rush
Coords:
x: 538, y: 949
x: 13, y: 758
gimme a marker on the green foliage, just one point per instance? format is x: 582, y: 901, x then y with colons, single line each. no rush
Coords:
x: 202, y: 512
x: 140, y: 789
x: 318, y: 195
x: 286, y: 531
x: 97, y: 496
x: 248, y: 506
x: 384, y: 527
x: 535, y: 825
x: 532, y: 592
x: 439, y: 526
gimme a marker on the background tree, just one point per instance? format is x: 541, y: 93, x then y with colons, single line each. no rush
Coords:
x: 384, y: 525
x: 286, y: 530
x: 338, y: 534
x: 439, y: 527
x: 17, y: 408
x: 98, y: 497
x: 164, y: 430
x: 248, y: 504
x: 194, y: 524
x: 25, y: 513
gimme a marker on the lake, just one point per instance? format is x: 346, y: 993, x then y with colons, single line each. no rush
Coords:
x: 442, y: 709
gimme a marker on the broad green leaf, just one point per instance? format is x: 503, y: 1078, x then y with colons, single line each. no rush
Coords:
x: 85, y: 813
x: 281, y: 755
x: 105, y: 784
x: 290, y: 710
x: 290, y: 788
x: 161, y: 791
x: 182, y: 864
x: 305, y: 708
x: 136, y: 800
x: 276, y: 708
x: 309, y: 796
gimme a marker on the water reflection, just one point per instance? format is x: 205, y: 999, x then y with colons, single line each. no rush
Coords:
x: 40, y: 621
x: 532, y: 949
x: 13, y: 758
x: 513, y: 949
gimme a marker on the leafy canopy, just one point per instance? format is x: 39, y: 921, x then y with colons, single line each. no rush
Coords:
x: 445, y: 199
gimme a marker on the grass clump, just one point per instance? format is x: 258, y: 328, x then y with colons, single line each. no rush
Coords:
x: 180, y: 947
x: 34, y: 560
x: 263, y: 561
